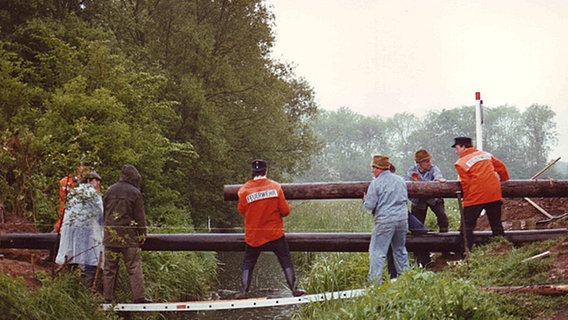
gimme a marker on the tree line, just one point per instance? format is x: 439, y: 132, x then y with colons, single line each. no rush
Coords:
x: 523, y: 140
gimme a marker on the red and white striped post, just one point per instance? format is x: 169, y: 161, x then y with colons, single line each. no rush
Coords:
x: 478, y: 121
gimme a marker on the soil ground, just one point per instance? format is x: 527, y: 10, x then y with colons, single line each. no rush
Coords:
x: 516, y: 212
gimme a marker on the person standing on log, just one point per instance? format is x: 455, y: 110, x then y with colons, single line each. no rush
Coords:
x: 387, y: 197
x: 481, y: 175
x: 263, y: 204
x: 424, y: 170
x: 124, y: 233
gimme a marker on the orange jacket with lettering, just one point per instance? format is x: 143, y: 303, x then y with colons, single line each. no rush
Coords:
x: 263, y: 204
x: 481, y: 175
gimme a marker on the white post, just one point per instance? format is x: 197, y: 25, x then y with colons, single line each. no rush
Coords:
x: 478, y: 121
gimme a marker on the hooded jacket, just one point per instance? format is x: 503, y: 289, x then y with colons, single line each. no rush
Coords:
x: 124, y: 216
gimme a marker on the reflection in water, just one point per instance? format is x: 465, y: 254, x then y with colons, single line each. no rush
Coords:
x: 268, y: 281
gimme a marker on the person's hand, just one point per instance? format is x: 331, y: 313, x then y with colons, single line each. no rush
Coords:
x: 364, y: 196
x: 442, y: 179
x: 415, y: 176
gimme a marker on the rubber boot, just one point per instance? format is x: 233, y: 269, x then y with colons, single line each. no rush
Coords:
x: 291, y: 279
x: 246, y: 278
x: 88, y: 280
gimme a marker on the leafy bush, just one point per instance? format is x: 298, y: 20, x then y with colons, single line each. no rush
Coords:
x: 64, y: 298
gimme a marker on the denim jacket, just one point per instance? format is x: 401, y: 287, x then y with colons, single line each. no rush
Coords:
x: 387, y: 197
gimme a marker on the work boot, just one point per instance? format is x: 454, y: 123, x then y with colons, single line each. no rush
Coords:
x: 143, y: 300
x: 291, y: 279
x: 246, y: 278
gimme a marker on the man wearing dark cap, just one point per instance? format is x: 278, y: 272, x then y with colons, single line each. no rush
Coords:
x: 387, y: 197
x: 263, y: 204
x: 481, y: 175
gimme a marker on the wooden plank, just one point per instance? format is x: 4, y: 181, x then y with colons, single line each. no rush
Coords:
x: 354, y: 190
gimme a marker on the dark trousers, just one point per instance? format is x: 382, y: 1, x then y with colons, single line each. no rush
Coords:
x: 133, y: 262
x: 471, y: 213
x: 422, y: 257
x: 420, y: 209
x: 278, y: 246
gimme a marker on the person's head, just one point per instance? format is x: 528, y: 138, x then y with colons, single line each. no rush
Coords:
x: 422, y: 158
x: 93, y: 178
x: 258, y: 168
x: 380, y: 163
x: 461, y: 143
x: 131, y: 175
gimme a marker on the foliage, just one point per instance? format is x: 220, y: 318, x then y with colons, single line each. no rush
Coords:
x: 482, y: 269
x: 59, y: 299
x: 522, y: 140
x: 185, y: 91
x: 420, y: 294
x: 179, y: 276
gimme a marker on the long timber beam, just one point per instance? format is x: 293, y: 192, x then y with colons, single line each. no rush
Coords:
x: 315, y: 242
x: 545, y: 188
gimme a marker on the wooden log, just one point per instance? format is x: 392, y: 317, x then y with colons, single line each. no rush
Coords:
x: 315, y: 242
x: 355, y: 189
x: 542, y: 289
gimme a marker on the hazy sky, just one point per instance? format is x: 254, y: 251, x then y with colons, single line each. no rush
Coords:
x: 387, y: 57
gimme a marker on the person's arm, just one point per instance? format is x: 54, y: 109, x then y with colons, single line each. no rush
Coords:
x: 371, y: 198
x: 501, y: 169
x: 438, y: 174
x: 140, y: 218
x: 412, y: 174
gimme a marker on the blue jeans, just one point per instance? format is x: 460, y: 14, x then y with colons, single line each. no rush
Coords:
x: 385, y: 235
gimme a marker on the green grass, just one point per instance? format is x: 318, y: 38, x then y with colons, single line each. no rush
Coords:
x: 418, y: 294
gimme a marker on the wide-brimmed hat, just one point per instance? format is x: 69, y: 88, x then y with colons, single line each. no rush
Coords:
x: 461, y: 141
x: 422, y: 155
x: 381, y: 162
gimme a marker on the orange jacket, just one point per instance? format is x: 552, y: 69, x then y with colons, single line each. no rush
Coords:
x: 481, y: 175
x: 263, y: 204
x: 65, y: 185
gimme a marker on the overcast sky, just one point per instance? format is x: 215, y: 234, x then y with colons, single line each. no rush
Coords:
x: 387, y: 57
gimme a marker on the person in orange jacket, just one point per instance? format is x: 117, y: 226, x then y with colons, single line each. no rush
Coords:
x: 481, y: 175
x: 65, y: 185
x: 263, y: 204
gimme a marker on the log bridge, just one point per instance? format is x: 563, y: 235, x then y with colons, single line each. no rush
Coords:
x: 348, y: 242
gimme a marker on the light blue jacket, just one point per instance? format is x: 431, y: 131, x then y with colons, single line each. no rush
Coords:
x: 387, y: 197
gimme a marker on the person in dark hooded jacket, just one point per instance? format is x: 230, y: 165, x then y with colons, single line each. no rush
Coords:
x: 124, y: 233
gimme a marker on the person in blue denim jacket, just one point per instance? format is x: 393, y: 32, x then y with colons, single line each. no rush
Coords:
x: 387, y: 197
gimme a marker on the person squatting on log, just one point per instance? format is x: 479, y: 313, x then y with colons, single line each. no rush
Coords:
x: 387, y: 197
x: 480, y: 174
x: 124, y: 234
x: 82, y: 228
x: 263, y: 204
x: 424, y: 170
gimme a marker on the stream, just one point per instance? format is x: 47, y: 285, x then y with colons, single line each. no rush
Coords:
x: 268, y: 281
